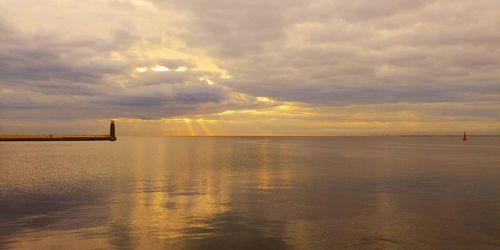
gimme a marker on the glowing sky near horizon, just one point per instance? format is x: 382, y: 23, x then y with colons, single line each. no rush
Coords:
x: 231, y: 67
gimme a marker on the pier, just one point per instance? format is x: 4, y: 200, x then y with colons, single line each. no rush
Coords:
x: 110, y: 137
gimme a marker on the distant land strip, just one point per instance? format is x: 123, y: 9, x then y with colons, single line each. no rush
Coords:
x: 50, y: 137
x: 57, y: 138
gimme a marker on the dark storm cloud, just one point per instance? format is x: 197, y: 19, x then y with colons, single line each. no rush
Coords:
x: 163, y: 95
x: 157, y: 106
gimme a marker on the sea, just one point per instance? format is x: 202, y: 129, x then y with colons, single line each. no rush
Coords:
x: 390, y: 192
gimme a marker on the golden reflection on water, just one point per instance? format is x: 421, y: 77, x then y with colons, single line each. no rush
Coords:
x: 164, y: 202
x: 248, y: 193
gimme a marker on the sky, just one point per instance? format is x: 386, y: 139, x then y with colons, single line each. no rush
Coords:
x: 260, y: 67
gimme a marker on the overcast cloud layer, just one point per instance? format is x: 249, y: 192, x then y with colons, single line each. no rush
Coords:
x: 322, y: 62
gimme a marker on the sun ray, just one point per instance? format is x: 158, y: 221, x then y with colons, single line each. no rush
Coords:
x: 189, y: 127
x: 206, y: 130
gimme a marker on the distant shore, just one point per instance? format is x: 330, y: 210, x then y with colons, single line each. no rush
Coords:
x: 57, y: 138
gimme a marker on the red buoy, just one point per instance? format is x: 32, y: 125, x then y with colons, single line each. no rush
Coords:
x: 465, y: 137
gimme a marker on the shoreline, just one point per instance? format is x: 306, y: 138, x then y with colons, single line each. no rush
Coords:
x: 57, y: 138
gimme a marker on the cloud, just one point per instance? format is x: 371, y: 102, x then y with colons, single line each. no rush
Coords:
x: 46, y: 70
x: 78, y: 60
x: 51, y: 63
x: 334, y: 52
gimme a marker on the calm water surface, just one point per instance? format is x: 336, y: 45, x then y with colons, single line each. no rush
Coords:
x: 251, y: 193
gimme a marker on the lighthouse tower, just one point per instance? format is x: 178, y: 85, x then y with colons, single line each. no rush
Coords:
x: 112, y: 131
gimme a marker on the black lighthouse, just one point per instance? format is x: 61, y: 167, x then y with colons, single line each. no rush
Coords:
x: 112, y: 134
